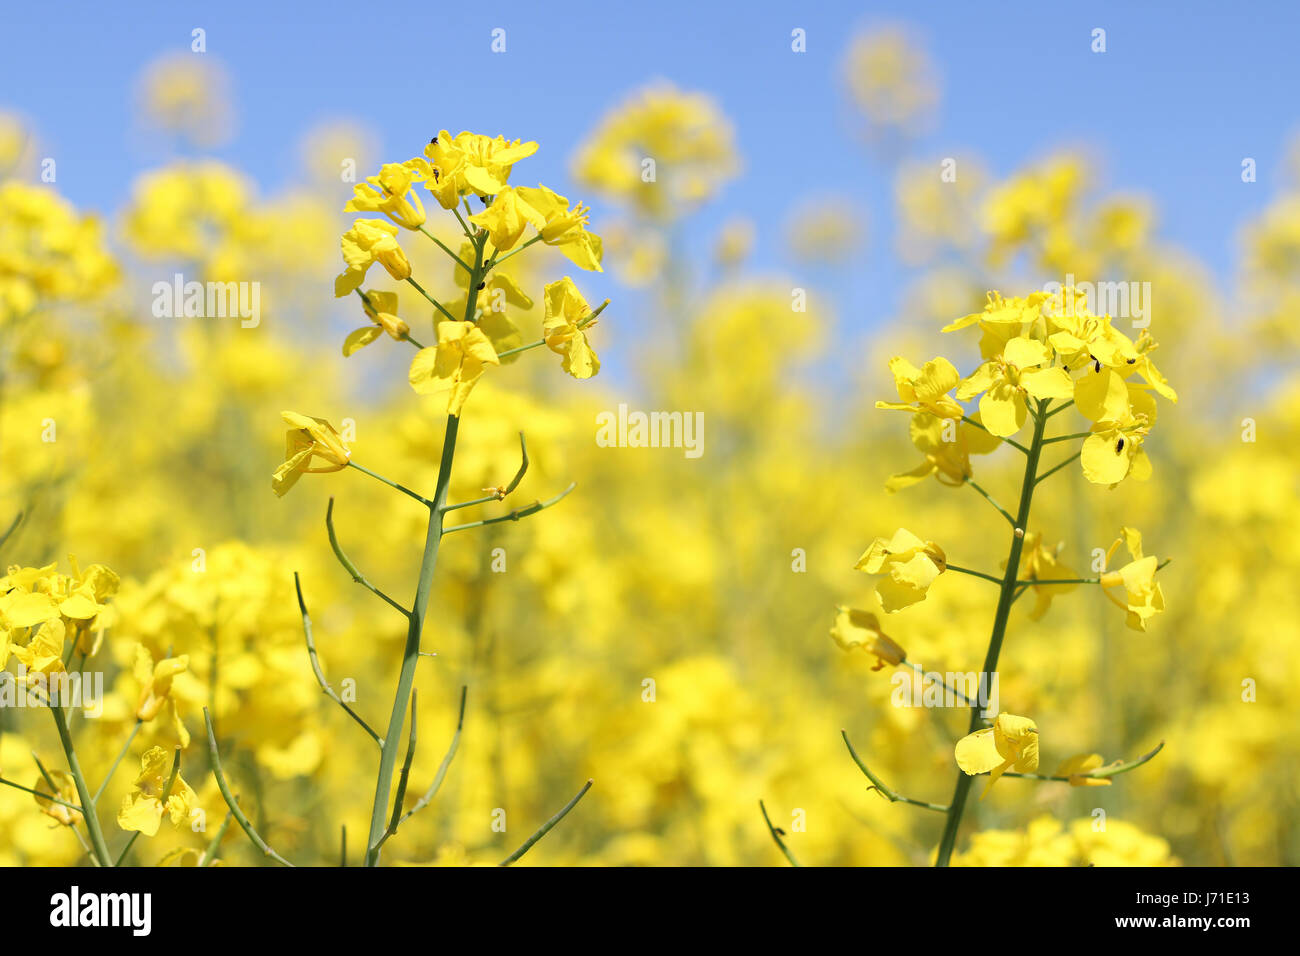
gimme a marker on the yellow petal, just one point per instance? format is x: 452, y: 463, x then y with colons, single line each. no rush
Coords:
x: 1048, y: 383
x: 1103, y: 463
x: 79, y: 607
x: 908, y: 478
x: 141, y: 814
x: 1082, y: 764
x: 360, y: 338
x: 580, y: 359
x: 1002, y: 410
x: 28, y: 610
x: 1102, y: 396
x: 977, y: 752
x: 424, y: 375
x: 1026, y: 353
x: 979, y: 380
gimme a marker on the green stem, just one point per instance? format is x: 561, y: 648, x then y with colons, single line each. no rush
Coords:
x: 943, y: 683
x: 445, y: 248
x: 403, y: 779
x: 411, y: 652
x: 438, y: 305
x: 351, y: 568
x: 546, y: 827
x: 976, y: 574
x: 1048, y: 441
x: 884, y: 791
x: 442, y: 767
x: 514, y: 252
x: 500, y: 493
x: 470, y: 504
x: 391, y: 484
x: 463, y: 224
x: 989, y: 498
x: 231, y: 800
x: 476, y: 277
x: 1005, y: 596
x: 1051, y: 471
x: 83, y: 791
x: 43, y: 796
x: 776, y: 835
x: 582, y: 324
x: 113, y: 769
x: 4, y: 538
x: 1101, y: 773
x: 210, y: 851
x: 315, y: 663
x: 419, y: 608
x: 518, y: 513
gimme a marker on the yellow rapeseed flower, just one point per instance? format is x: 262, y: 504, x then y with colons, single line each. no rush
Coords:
x: 1083, y: 764
x: 948, y: 461
x: 468, y: 163
x: 391, y: 192
x: 1006, y: 382
x: 564, y: 328
x: 155, y: 688
x: 1143, y: 597
x: 1041, y: 563
x: 308, y: 438
x: 925, y: 388
x: 142, y: 811
x: 367, y: 242
x: 854, y: 629
x: 381, y: 308
x: 454, y: 365
x: 1010, y: 744
x: 909, y: 564
x: 67, y: 792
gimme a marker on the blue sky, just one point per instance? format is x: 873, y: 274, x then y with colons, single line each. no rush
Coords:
x: 1183, y: 93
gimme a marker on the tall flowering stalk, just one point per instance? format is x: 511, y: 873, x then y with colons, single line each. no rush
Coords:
x: 52, y: 624
x: 471, y: 336
x: 1042, y: 355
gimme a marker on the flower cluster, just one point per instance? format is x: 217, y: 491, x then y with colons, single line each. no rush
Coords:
x: 1040, y: 355
x: 42, y: 612
x: 473, y: 333
x: 47, y: 251
x: 1043, y: 348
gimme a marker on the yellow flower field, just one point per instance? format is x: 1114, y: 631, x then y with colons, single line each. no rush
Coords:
x: 353, y: 520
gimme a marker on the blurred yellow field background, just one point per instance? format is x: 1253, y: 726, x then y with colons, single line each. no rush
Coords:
x: 664, y: 629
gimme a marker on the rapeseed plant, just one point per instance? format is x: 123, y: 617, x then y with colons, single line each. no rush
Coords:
x: 453, y: 170
x: 1043, y: 354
